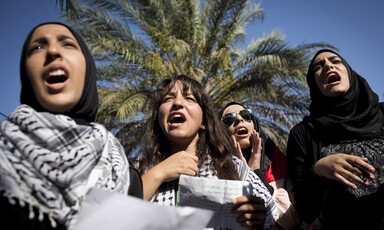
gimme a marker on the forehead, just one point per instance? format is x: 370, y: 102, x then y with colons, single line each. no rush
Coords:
x: 179, y: 87
x: 51, y: 30
x: 324, y: 55
x: 233, y: 108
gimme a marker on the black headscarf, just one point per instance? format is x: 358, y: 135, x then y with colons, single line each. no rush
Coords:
x: 356, y: 114
x: 247, y: 151
x: 85, y: 110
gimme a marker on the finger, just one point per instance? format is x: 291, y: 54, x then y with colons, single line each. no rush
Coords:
x: 361, y: 172
x: 248, y: 199
x: 249, y: 208
x: 253, y: 224
x: 251, y: 216
x: 342, y: 180
x: 361, y: 162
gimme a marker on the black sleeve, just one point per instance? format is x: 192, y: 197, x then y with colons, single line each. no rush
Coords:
x: 308, y: 188
x: 136, y: 185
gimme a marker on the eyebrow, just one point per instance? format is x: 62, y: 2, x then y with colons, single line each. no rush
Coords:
x: 322, y: 60
x: 60, y: 37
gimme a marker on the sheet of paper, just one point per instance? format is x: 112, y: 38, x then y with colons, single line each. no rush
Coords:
x: 215, y: 195
x: 104, y: 210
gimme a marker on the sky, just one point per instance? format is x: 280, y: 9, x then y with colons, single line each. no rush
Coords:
x: 355, y: 27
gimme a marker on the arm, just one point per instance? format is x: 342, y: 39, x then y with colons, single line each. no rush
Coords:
x: 309, y: 189
x: 168, y: 170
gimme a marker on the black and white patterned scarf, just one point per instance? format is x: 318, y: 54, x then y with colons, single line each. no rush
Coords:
x: 167, y: 191
x: 50, y: 162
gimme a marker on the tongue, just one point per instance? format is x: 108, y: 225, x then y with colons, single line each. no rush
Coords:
x: 332, y: 79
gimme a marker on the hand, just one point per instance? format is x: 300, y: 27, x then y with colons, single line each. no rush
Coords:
x: 179, y: 163
x: 239, y: 152
x: 168, y: 170
x: 252, y: 212
x: 254, y: 160
x: 342, y: 166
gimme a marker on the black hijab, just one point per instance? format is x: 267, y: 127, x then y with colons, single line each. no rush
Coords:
x: 85, y: 110
x: 247, y: 151
x: 356, y: 114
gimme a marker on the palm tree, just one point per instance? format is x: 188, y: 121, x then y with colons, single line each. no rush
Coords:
x: 138, y: 42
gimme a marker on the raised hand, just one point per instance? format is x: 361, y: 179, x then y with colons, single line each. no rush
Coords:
x: 254, y: 160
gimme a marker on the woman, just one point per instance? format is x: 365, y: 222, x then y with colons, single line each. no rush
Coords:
x: 335, y: 155
x: 184, y: 136
x: 51, y: 152
x: 244, y: 128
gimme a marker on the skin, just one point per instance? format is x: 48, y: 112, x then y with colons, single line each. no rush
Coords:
x: 339, y: 167
x: 53, y: 48
x: 252, y: 138
x: 328, y: 64
x: 182, y: 139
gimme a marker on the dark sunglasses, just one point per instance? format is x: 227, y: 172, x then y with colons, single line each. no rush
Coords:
x: 229, y: 118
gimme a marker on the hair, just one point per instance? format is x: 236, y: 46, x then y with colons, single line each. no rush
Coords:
x: 213, y: 140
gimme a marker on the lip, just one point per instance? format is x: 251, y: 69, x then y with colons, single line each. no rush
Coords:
x: 243, y: 135
x: 57, y: 87
x: 175, y: 125
x: 327, y: 75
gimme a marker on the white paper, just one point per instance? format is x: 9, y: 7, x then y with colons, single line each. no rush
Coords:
x: 103, y: 210
x: 215, y: 195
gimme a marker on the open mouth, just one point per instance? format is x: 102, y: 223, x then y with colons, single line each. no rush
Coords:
x: 56, y: 77
x: 333, y: 78
x: 176, y: 118
x: 242, y: 131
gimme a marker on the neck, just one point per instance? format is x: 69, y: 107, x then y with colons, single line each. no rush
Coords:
x: 186, y: 145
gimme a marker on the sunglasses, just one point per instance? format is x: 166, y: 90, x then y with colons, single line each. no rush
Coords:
x: 229, y: 118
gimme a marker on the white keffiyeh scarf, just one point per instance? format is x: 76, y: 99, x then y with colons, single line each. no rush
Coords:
x: 167, y: 191
x: 50, y: 162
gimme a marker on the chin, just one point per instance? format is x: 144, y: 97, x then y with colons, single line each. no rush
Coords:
x: 57, y: 107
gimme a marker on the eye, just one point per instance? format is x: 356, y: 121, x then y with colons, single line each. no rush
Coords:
x: 69, y: 44
x: 317, y: 68
x: 336, y: 61
x: 166, y: 99
x: 190, y: 98
x: 35, y: 48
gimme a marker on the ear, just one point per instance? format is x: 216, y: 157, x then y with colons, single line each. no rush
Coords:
x: 202, y: 127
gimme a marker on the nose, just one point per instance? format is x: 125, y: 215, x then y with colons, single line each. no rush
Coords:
x: 238, y: 120
x: 53, y: 52
x: 178, y: 102
x: 328, y: 64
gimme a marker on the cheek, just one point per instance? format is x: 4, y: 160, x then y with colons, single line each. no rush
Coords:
x: 80, y: 66
x: 161, y: 117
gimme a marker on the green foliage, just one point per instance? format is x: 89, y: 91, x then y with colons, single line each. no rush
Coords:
x: 137, y: 43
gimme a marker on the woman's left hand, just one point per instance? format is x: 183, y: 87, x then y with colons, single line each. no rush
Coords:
x: 251, y: 210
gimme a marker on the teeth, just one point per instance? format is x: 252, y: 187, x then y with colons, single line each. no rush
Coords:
x: 241, y: 129
x: 177, y: 115
x: 57, y: 73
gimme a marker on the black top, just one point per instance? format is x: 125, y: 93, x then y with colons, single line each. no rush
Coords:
x: 314, y: 195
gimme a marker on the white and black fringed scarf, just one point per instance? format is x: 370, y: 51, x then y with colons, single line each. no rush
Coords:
x: 50, y: 162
